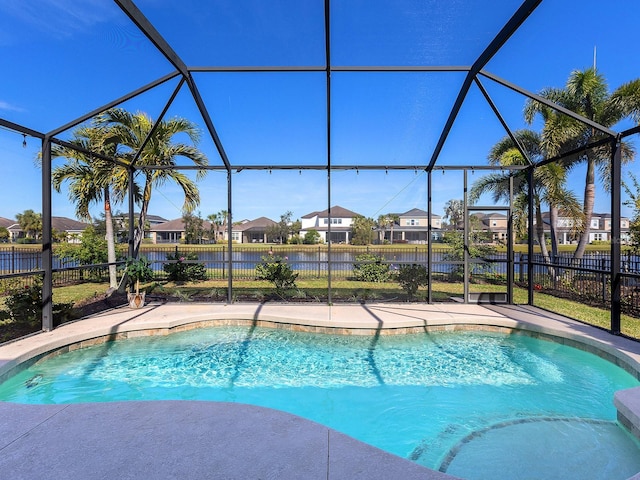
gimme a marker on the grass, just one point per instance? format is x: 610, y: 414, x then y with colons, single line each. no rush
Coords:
x: 315, y: 290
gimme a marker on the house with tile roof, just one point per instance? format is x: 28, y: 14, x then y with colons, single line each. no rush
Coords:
x: 173, y: 231
x: 341, y: 222
x: 412, y: 227
x: 71, y: 227
x: 252, y: 231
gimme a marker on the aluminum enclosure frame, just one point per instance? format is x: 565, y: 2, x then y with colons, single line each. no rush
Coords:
x: 474, y: 74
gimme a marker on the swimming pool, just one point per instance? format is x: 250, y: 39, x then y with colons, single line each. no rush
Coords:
x: 468, y: 403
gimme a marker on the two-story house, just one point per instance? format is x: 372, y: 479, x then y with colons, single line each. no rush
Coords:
x: 599, y: 228
x: 497, y: 224
x: 413, y: 227
x: 341, y: 222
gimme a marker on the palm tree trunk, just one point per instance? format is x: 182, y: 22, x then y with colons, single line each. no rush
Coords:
x: 142, y: 220
x: 553, y: 224
x: 111, y: 245
x: 541, y: 240
x: 589, y: 201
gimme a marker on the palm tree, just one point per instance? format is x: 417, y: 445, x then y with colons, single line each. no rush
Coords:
x: 131, y: 130
x: 385, y: 221
x: 548, y: 186
x: 587, y: 94
x: 218, y: 223
x: 381, y: 225
x: 454, y: 212
x: 93, y: 180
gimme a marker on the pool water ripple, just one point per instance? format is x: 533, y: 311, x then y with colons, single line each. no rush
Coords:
x: 417, y: 396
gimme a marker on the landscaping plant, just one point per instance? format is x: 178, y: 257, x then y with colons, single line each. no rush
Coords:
x: 412, y: 277
x: 275, y: 269
x: 138, y: 270
x: 370, y: 268
x: 182, y: 268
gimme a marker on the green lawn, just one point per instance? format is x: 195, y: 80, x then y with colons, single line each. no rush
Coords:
x: 315, y: 290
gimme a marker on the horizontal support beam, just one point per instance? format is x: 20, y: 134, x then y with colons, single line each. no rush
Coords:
x: 333, y: 68
x: 239, y: 168
x: 20, y: 129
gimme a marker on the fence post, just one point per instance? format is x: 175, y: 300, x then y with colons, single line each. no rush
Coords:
x: 319, y: 266
x: 604, y: 281
x: 13, y: 259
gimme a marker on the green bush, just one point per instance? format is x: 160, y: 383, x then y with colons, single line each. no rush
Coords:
x: 412, y: 277
x: 182, y: 270
x: 138, y: 270
x: 312, y: 237
x: 370, y: 268
x: 24, y: 306
x: 275, y: 269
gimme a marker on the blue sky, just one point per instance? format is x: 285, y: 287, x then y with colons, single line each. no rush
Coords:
x: 62, y: 58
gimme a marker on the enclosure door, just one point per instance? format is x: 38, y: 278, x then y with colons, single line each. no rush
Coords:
x: 488, y: 255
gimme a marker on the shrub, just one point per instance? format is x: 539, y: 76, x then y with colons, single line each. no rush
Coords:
x: 275, y: 269
x: 182, y: 270
x: 412, y: 277
x: 370, y: 268
x: 25, y: 306
x: 138, y: 270
x: 312, y: 237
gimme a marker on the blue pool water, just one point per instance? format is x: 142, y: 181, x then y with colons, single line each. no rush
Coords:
x: 476, y: 405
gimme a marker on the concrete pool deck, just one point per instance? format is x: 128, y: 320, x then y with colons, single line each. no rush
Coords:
x: 185, y: 439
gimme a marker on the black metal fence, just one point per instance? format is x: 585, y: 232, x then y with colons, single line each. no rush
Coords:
x: 587, y: 280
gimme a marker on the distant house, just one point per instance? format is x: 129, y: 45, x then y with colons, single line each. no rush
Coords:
x: 11, y: 227
x: 72, y: 228
x: 252, y: 231
x: 173, y: 231
x: 600, y: 228
x: 121, y: 222
x: 413, y: 227
x: 496, y: 224
x: 341, y: 222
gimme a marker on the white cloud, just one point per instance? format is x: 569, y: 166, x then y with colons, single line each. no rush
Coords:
x: 6, y: 106
x: 58, y: 18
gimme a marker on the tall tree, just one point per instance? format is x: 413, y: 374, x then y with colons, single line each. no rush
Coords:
x: 92, y: 180
x: 634, y: 203
x: 548, y: 186
x: 387, y: 221
x: 280, y: 231
x: 363, y: 230
x: 454, y: 213
x: 31, y: 223
x: 586, y: 93
x: 132, y: 130
x: 193, y: 228
x: 219, y: 222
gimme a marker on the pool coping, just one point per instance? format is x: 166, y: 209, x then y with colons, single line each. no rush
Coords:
x: 352, y: 319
